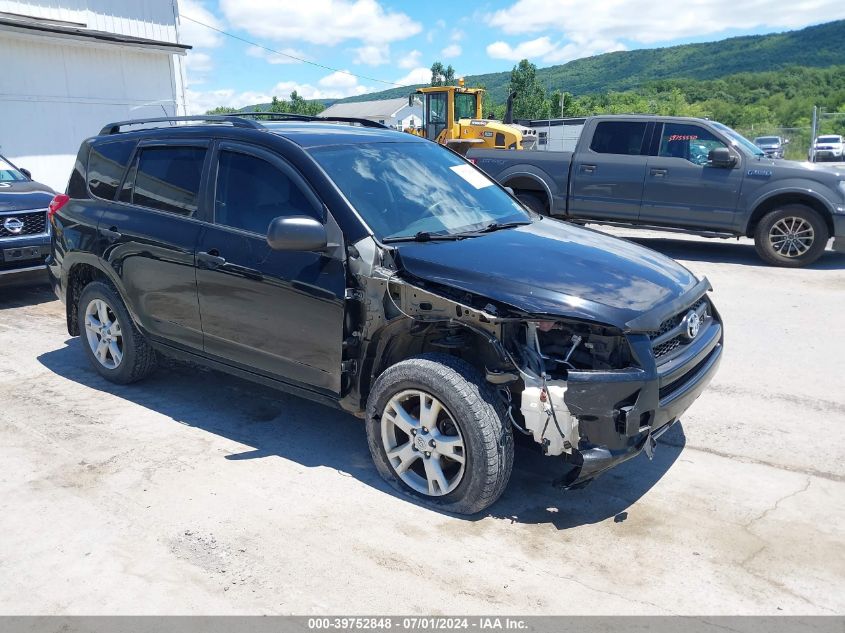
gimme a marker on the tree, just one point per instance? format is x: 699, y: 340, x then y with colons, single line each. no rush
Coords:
x: 530, y: 101
x: 296, y: 105
x: 222, y: 110
x: 437, y: 72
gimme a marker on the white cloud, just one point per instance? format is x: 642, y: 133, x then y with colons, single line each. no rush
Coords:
x: 457, y: 35
x: 531, y: 49
x: 199, y: 102
x: 195, y: 34
x: 411, y: 60
x: 372, y: 54
x: 333, y: 86
x: 648, y: 22
x: 196, y: 62
x: 319, y: 21
x: 339, y: 79
x: 543, y: 48
x: 275, y: 58
x: 416, y: 76
x: 453, y: 50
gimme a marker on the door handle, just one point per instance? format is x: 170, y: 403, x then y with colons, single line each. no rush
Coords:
x: 111, y: 234
x: 588, y: 169
x: 659, y: 173
x: 212, y: 258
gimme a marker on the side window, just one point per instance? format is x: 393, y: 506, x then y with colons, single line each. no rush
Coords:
x: 619, y: 137
x: 106, y: 165
x: 251, y: 193
x: 437, y: 107
x: 690, y: 142
x: 166, y: 178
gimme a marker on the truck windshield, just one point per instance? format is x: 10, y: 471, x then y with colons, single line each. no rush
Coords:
x: 8, y: 173
x: 404, y: 189
x: 767, y: 140
x: 738, y: 140
x: 829, y: 139
x: 465, y: 104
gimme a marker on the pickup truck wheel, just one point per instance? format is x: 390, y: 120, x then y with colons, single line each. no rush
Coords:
x: 115, y: 347
x: 533, y: 202
x: 793, y: 236
x: 438, y: 432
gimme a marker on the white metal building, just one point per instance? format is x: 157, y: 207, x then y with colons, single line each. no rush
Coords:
x: 558, y: 135
x: 395, y: 113
x: 71, y: 66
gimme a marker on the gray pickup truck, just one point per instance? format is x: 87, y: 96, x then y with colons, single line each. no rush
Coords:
x: 685, y: 174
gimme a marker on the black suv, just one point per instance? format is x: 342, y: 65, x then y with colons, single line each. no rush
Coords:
x: 24, y: 232
x: 384, y: 274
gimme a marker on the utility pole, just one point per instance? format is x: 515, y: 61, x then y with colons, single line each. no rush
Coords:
x: 813, y: 133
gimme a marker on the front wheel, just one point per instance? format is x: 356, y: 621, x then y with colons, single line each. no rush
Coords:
x: 437, y: 431
x: 793, y: 236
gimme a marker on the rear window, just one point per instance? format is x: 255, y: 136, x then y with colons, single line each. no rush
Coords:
x: 106, y: 165
x: 619, y: 137
x: 166, y: 178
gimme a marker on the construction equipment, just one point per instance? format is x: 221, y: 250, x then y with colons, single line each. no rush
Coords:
x: 452, y: 116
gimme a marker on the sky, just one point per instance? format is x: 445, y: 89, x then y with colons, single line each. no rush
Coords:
x: 360, y: 46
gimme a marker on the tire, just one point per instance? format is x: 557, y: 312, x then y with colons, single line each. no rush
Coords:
x: 796, y: 223
x: 131, y: 358
x: 533, y: 202
x: 481, y: 428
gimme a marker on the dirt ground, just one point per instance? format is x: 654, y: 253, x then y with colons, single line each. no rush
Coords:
x: 195, y: 492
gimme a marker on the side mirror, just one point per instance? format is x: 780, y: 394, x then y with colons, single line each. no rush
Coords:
x: 510, y: 191
x: 26, y: 173
x: 721, y: 157
x: 786, y: 141
x: 297, y: 233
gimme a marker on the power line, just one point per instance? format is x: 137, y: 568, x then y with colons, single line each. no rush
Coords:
x: 275, y: 52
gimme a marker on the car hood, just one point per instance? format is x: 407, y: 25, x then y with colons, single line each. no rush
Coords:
x: 20, y: 196
x: 550, y: 267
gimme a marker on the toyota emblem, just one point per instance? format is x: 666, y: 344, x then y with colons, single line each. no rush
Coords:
x: 13, y: 225
x: 693, y: 324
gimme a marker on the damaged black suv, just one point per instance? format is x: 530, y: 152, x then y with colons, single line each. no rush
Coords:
x: 383, y: 274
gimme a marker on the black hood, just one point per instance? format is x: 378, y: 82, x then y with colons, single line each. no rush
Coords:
x: 20, y: 196
x: 549, y: 267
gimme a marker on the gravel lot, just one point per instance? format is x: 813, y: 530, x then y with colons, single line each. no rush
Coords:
x: 194, y: 492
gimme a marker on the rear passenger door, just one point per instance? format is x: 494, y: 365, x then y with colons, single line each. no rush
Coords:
x: 149, y: 237
x: 607, y: 177
x: 279, y: 313
x: 682, y: 188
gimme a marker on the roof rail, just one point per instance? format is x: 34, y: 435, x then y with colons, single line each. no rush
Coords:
x: 291, y: 116
x: 114, y: 128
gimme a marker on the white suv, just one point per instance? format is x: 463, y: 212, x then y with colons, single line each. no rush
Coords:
x: 828, y: 147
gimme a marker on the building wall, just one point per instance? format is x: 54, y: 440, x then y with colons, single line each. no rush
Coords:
x: 65, y: 90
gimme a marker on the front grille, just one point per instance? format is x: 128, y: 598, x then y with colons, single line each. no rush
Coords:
x: 679, y: 383
x: 666, y: 347
x: 34, y: 223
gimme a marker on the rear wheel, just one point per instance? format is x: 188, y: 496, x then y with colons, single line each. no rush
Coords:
x: 437, y: 431
x: 793, y: 236
x: 112, y: 343
x: 533, y: 202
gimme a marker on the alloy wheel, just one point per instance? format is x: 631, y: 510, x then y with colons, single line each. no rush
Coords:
x: 791, y: 236
x: 424, y: 445
x: 104, y: 334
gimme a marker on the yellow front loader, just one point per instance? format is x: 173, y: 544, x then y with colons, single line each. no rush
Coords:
x: 452, y: 116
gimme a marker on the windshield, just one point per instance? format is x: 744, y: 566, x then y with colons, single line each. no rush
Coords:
x: 402, y: 189
x: 767, y: 140
x: 738, y: 140
x: 829, y: 139
x: 8, y: 173
x: 465, y: 104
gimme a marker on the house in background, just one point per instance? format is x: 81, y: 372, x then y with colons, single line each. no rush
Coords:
x: 394, y: 113
x: 71, y: 66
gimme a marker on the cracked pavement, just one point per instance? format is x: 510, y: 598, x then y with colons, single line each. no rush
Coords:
x: 195, y: 492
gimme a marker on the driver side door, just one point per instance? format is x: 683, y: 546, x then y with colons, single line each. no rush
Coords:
x: 277, y: 313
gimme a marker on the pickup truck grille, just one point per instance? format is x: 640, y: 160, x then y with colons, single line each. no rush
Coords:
x: 34, y: 223
x: 671, y: 335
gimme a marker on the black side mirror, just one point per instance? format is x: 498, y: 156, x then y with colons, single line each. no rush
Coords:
x: 297, y: 233
x: 721, y: 157
x: 26, y: 173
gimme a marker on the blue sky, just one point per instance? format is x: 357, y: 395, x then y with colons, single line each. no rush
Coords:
x: 396, y: 42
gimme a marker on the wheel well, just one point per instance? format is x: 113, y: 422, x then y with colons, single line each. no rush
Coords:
x: 529, y: 185
x: 80, y: 275
x: 777, y: 202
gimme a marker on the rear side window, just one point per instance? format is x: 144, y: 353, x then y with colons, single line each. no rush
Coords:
x: 166, y: 178
x: 619, y: 137
x: 251, y: 193
x: 106, y: 164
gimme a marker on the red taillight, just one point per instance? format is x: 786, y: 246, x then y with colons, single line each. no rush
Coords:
x: 57, y: 203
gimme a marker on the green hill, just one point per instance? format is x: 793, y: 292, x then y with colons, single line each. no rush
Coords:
x: 815, y: 46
